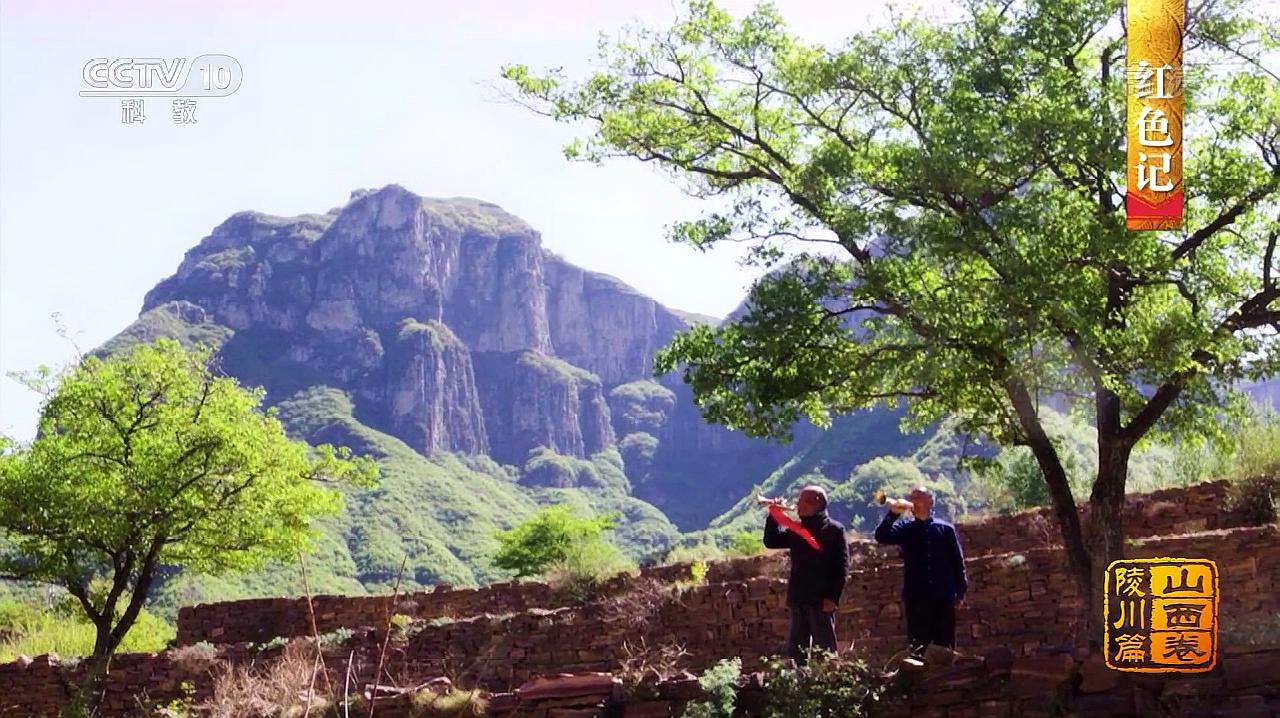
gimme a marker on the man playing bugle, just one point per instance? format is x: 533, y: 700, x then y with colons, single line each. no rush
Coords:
x: 934, y: 580
x: 819, y: 567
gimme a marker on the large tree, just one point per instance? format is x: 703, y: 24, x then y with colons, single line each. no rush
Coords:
x: 149, y: 458
x: 949, y: 199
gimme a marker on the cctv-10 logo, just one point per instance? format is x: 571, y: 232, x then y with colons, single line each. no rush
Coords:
x: 205, y: 76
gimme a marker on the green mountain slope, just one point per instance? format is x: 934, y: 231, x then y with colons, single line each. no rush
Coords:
x: 440, y: 512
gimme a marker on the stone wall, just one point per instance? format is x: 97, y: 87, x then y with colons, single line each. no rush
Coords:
x: 1052, y: 683
x: 1022, y: 602
x: 1166, y: 512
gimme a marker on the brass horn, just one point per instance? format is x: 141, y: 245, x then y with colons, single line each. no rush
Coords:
x: 881, y: 498
x: 766, y: 501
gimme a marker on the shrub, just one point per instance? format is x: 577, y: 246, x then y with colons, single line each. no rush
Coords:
x: 1254, y: 498
x: 547, y: 538
x: 720, y: 683
x: 746, y: 543
x: 336, y: 637
x: 401, y: 626
x: 282, y: 687
x: 271, y: 645
x: 196, y: 655
x: 828, y: 687
x: 704, y: 550
x: 639, y: 604
x: 586, y: 567
x: 644, y: 663
x: 1259, y: 453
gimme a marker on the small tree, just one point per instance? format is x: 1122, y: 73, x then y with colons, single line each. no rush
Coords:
x: 549, y: 537
x: 148, y: 458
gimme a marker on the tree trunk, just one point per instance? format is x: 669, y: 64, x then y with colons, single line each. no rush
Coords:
x: 1055, y: 476
x: 1106, y: 523
x: 88, y: 696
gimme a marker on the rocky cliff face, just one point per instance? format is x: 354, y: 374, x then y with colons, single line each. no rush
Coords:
x: 452, y: 329
x: 602, y: 325
x: 387, y: 297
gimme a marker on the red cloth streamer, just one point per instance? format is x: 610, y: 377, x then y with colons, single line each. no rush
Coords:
x: 791, y: 524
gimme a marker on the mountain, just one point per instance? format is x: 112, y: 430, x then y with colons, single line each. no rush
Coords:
x: 488, y: 375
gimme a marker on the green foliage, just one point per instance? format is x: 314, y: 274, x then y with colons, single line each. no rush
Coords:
x: 641, y: 406
x: 547, y: 538
x: 585, y: 568
x: 274, y: 643
x: 604, y: 470
x: 694, y: 551
x: 638, y: 450
x: 1255, y: 472
x: 473, y: 215
x: 401, y: 626
x: 30, y: 629
x: 434, y: 332
x: 641, y: 530
x: 179, y: 707
x: 1014, y: 481
x: 720, y: 683
x: 453, y: 704
x: 180, y: 320
x: 147, y: 458
x: 896, y: 476
x: 697, y: 572
x: 547, y: 468
x: 746, y: 543
x: 1258, y: 452
x: 609, y: 471
x: 443, y: 512
x: 828, y: 687
x: 336, y: 637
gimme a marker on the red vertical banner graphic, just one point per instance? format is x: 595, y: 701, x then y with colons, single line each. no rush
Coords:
x: 1153, y: 92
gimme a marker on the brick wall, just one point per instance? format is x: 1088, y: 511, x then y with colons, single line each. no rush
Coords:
x: 1160, y: 513
x: 1023, y: 601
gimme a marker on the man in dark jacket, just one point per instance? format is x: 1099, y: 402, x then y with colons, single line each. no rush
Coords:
x: 818, y: 572
x: 934, y: 581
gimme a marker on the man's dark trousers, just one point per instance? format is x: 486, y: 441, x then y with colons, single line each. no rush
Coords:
x: 930, y: 620
x: 810, y: 621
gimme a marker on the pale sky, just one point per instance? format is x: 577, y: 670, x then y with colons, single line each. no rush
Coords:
x: 336, y: 96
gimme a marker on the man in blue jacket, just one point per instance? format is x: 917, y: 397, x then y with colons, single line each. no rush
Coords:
x: 819, y: 567
x: 934, y: 580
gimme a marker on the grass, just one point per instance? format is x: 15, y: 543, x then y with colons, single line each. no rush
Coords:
x: 30, y: 629
x: 285, y: 686
x: 427, y: 704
